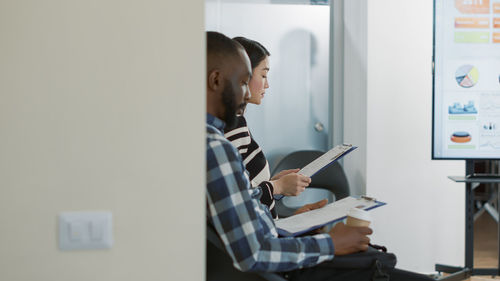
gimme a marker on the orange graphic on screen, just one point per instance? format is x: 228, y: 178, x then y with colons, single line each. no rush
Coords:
x: 496, y: 8
x: 496, y: 37
x: 473, y: 6
x: 460, y: 137
x: 496, y: 23
x: 472, y: 22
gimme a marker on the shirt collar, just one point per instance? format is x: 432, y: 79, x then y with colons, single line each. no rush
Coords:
x: 216, y: 122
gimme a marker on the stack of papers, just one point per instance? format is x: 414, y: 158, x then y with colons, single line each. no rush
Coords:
x: 333, y: 212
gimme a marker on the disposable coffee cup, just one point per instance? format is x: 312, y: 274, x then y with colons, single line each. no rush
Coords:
x: 358, y: 217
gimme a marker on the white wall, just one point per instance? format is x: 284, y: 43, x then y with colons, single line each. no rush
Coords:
x: 355, y: 87
x: 397, y: 116
x: 102, y: 107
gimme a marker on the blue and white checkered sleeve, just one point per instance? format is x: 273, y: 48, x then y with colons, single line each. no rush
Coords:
x: 247, y: 229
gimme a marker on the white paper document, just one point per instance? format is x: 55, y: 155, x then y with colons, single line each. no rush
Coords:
x: 326, y: 159
x: 336, y: 211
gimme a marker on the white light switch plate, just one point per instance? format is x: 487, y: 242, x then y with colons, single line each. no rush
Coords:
x: 85, y: 230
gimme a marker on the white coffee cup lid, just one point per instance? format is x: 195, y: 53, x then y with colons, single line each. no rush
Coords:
x: 359, y: 214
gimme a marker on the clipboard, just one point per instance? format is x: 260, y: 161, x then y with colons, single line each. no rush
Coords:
x: 333, y: 212
x: 327, y: 159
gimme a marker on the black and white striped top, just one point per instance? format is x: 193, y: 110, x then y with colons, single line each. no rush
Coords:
x: 254, y: 160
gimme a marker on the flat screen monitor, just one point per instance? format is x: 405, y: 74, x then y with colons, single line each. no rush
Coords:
x: 466, y: 79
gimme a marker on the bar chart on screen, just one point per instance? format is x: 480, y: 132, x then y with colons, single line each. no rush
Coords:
x: 473, y: 6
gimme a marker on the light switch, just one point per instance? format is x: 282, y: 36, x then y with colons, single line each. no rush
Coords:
x: 76, y: 230
x: 85, y: 230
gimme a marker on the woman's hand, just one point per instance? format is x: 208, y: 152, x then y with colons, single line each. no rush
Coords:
x: 312, y: 206
x: 284, y: 172
x: 291, y: 184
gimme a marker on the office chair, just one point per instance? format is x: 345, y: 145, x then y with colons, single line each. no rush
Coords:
x: 220, y: 266
x: 331, y: 182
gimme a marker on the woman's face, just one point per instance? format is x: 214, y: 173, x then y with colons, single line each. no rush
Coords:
x: 258, y: 84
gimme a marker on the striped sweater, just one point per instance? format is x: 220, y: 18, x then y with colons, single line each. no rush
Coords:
x: 254, y: 160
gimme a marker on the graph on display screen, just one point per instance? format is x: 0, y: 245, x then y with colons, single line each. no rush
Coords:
x: 466, y: 80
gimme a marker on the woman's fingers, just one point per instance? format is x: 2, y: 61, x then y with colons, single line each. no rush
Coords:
x: 294, y: 183
x: 319, y: 204
x: 305, y: 179
x: 289, y: 171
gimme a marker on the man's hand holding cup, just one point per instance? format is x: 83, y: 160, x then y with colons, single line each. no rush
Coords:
x: 352, y: 237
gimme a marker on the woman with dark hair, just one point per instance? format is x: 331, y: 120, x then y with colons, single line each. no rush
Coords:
x: 287, y: 182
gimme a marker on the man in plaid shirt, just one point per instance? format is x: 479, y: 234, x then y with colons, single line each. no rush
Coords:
x: 243, y: 224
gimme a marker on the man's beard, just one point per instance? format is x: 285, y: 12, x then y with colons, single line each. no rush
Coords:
x: 231, y: 108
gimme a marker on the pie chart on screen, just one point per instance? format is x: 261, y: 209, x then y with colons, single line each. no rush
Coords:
x: 467, y: 76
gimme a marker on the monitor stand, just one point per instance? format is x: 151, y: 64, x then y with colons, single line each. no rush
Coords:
x: 482, y: 176
x: 471, y: 180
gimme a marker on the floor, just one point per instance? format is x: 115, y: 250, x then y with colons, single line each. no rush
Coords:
x: 485, y: 245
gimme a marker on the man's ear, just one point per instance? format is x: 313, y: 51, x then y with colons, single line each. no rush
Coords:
x: 215, y: 81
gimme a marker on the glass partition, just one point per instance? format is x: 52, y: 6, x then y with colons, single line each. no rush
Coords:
x: 294, y: 112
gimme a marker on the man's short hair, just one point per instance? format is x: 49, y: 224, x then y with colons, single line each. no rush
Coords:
x: 220, y: 48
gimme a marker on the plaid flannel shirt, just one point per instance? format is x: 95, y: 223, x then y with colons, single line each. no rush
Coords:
x: 244, y: 225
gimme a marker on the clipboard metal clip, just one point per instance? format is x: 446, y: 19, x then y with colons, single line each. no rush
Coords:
x: 368, y: 198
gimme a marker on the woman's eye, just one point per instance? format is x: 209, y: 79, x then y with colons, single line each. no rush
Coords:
x: 264, y: 76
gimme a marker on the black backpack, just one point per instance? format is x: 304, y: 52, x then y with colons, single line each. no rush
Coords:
x: 371, y: 264
x: 363, y: 260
